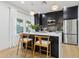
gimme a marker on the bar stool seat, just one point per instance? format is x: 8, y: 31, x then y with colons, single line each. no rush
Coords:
x: 25, y: 40
x: 43, y: 43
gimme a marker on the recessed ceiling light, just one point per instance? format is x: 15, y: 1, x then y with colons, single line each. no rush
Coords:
x: 55, y: 7
x: 43, y: 15
x: 32, y: 13
x: 22, y: 2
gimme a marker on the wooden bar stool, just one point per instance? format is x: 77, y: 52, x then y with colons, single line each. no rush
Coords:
x: 25, y: 40
x: 39, y: 41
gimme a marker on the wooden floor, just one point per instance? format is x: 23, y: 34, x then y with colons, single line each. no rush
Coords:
x: 68, y: 51
x: 12, y: 53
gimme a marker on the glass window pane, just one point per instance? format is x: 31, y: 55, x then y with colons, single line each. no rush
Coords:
x: 27, y: 27
x: 19, y: 26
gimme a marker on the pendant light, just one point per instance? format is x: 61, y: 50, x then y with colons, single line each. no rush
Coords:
x: 43, y: 15
x: 55, y: 6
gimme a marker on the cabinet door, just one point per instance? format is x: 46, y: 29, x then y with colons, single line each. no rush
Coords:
x: 37, y: 19
x: 4, y: 27
x: 44, y: 22
x: 54, y: 47
x: 71, y: 12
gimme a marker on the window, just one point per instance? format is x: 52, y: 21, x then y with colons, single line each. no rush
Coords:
x: 27, y: 27
x: 19, y: 26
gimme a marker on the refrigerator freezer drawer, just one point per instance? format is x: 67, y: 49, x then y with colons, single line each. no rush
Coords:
x: 67, y: 38
x: 70, y: 39
x: 74, y: 39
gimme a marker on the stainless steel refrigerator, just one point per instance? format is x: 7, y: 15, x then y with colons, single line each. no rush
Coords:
x: 70, y: 31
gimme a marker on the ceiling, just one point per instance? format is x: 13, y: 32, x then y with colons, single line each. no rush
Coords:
x: 42, y: 6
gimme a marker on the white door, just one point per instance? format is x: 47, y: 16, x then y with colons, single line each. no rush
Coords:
x: 4, y: 27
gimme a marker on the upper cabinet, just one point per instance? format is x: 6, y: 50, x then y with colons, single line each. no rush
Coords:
x: 54, y: 16
x: 49, y: 19
x: 37, y: 19
x: 70, y: 12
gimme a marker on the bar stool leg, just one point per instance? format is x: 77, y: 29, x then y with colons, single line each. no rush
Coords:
x: 34, y: 51
x: 18, y: 47
x: 22, y: 48
x: 26, y: 50
x: 47, y: 52
x: 50, y: 49
x: 32, y: 45
x: 40, y: 51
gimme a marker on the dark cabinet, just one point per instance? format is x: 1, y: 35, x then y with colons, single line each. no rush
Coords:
x: 54, y: 46
x: 37, y: 19
x: 52, y: 16
x: 43, y: 21
x: 70, y: 12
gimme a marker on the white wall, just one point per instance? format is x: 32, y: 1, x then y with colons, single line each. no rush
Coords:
x: 4, y: 27
x: 8, y: 24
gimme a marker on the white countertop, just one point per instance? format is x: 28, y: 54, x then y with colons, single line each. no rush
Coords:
x: 45, y: 33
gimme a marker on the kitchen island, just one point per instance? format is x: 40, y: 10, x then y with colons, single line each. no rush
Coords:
x: 56, y: 40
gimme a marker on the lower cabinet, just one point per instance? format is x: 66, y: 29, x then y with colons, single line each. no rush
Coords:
x: 54, y: 46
